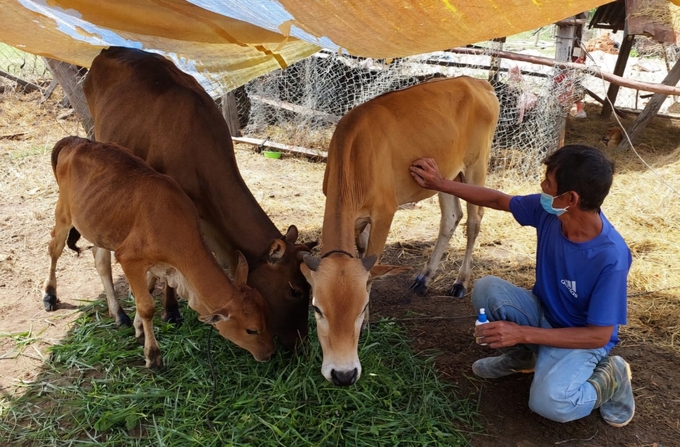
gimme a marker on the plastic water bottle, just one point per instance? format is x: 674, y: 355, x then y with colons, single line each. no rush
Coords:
x: 481, y: 319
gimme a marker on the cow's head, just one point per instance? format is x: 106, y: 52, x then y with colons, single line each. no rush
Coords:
x: 243, y: 319
x: 340, y: 289
x: 277, y: 276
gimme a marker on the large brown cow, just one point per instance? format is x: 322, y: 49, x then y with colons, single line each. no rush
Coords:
x: 367, y: 177
x: 120, y: 204
x: 144, y: 102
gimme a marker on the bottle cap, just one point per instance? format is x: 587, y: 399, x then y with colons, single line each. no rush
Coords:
x: 482, y: 315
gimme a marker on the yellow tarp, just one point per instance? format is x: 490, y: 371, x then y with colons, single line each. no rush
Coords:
x: 239, y: 40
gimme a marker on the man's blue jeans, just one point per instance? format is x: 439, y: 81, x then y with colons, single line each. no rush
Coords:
x: 560, y: 390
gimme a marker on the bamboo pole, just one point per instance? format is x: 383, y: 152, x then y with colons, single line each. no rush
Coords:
x: 593, y: 71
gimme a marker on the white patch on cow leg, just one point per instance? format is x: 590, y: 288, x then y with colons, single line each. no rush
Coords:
x: 452, y: 213
x: 139, y: 328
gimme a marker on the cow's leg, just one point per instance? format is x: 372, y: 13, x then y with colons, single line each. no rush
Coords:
x: 102, y: 260
x: 474, y: 221
x: 62, y: 226
x: 136, y: 275
x: 378, y: 229
x: 171, y: 312
x: 452, y: 213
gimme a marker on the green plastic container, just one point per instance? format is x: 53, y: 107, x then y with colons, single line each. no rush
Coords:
x: 272, y: 154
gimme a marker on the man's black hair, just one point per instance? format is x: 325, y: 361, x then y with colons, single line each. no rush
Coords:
x: 583, y: 169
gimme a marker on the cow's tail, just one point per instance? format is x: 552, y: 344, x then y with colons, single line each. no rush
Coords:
x: 73, y: 237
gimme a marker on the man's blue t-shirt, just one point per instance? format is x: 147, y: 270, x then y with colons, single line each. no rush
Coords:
x: 578, y: 283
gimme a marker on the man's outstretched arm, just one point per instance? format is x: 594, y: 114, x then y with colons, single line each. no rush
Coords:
x: 426, y: 173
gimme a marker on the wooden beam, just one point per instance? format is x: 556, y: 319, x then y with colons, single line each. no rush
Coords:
x: 564, y: 49
x: 333, y: 119
x: 282, y: 147
x: 619, y: 68
x: 571, y: 22
x: 495, y: 61
x: 597, y: 98
x: 651, y: 109
x: 70, y: 77
x: 593, y: 71
x: 28, y: 86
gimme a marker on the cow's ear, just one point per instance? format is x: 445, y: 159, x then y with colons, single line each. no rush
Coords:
x: 276, y: 251
x: 213, y: 318
x: 292, y: 234
x: 369, y: 262
x: 241, y: 274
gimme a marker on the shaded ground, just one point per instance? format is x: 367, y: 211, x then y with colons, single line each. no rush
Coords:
x: 290, y: 192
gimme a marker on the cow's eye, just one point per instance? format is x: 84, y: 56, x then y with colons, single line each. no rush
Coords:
x: 252, y: 332
x: 295, y: 292
x: 317, y: 311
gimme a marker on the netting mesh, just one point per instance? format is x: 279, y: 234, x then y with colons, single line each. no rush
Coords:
x: 301, y: 105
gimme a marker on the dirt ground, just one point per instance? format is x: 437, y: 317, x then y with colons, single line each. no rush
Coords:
x: 290, y: 191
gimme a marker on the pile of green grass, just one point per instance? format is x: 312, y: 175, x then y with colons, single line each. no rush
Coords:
x: 96, y: 390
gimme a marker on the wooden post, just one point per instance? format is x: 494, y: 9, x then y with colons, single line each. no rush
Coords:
x: 651, y: 109
x: 70, y: 77
x: 619, y: 68
x: 230, y: 113
x: 495, y: 60
x: 564, y: 47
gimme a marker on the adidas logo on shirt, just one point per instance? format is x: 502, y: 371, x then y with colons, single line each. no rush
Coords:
x: 571, y: 286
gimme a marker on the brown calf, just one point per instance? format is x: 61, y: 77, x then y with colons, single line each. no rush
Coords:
x: 117, y: 202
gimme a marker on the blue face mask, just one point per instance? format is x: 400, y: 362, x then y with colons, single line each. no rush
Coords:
x: 547, y: 203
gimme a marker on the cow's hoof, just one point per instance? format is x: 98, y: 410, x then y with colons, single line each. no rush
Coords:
x: 122, y: 319
x: 458, y: 290
x: 173, y: 318
x: 50, y: 302
x: 155, y: 366
x: 154, y: 361
x: 419, y: 286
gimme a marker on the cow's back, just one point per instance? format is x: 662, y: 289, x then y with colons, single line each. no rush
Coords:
x: 106, y: 182
x: 450, y: 120
x: 143, y: 102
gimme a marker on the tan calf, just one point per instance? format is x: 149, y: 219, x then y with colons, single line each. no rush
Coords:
x: 119, y: 203
x: 367, y: 177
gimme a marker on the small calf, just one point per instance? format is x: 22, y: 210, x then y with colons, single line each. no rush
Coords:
x: 117, y: 202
